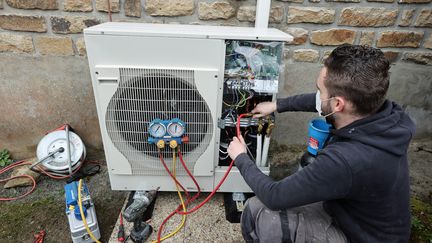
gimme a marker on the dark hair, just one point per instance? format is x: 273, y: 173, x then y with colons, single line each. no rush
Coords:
x: 360, y: 74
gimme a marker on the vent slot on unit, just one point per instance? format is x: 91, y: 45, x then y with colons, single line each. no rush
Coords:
x: 147, y: 94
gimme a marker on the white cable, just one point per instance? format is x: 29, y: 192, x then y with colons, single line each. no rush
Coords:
x: 222, y: 151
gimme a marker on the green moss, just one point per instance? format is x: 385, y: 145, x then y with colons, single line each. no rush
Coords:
x: 421, y: 222
x: 31, y: 216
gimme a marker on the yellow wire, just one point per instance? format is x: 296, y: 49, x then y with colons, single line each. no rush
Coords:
x: 243, y: 100
x: 182, y: 203
x: 82, y: 213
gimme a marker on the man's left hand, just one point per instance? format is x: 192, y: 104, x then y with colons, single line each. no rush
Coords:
x: 236, y: 147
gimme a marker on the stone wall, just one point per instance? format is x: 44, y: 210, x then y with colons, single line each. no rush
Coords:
x: 44, y: 78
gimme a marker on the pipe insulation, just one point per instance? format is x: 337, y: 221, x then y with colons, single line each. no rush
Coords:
x: 262, y: 14
x: 265, y: 151
x: 258, y: 150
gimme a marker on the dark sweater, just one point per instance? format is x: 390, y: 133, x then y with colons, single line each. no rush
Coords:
x: 361, y: 175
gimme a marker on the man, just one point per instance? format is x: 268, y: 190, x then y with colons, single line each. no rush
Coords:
x: 357, y: 189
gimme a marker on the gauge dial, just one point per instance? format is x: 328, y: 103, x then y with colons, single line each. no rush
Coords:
x: 157, y: 129
x: 176, y: 128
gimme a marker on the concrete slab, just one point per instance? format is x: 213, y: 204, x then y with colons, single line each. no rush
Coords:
x: 208, y: 224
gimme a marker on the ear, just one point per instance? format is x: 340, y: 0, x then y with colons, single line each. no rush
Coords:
x: 339, y: 104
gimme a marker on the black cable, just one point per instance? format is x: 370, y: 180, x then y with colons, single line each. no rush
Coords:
x: 89, y: 170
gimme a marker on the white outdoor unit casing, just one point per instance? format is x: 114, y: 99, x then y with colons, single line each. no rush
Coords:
x: 145, y: 71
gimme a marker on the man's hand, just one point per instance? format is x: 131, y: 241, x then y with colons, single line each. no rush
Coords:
x: 264, y: 109
x: 236, y: 147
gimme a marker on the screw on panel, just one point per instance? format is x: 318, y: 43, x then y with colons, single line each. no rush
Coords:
x: 97, y: 72
x: 216, y: 76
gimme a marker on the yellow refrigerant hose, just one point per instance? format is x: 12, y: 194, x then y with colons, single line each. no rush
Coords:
x: 82, y: 213
x: 182, y: 203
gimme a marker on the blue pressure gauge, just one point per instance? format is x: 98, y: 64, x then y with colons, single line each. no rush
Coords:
x: 167, y: 131
x: 176, y: 128
x: 157, y: 129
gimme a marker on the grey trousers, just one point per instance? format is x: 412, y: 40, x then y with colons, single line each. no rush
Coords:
x: 309, y: 223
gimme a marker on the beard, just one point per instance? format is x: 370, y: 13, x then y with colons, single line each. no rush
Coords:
x: 326, y: 110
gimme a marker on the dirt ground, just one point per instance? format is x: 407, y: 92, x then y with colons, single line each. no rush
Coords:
x: 44, y: 209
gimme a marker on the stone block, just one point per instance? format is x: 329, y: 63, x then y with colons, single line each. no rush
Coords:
x: 291, y: 1
x: 407, y: 16
x: 80, y: 46
x: 310, y: 15
x: 132, y: 8
x: 428, y: 42
x: 344, y: 1
x: 300, y: 35
x: 276, y: 14
x: 216, y: 10
x: 23, y: 170
x: 306, y: 55
x: 247, y: 13
x: 23, y: 23
x: 382, y: 1
x: 392, y: 56
x: 169, y: 7
x: 414, y: 1
x: 368, y: 17
x: 425, y: 18
x: 33, y: 4
x: 102, y: 6
x: 424, y: 58
x: 71, y: 24
x: 326, y: 54
x: 400, y: 39
x: 78, y: 5
x: 54, y: 46
x: 332, y: 37
x: 367, y: 38
x: 16, y: 43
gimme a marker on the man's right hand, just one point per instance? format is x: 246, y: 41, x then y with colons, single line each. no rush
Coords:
x: 264, y: 109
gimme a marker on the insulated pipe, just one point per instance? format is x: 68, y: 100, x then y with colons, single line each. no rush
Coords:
x: 266, y: 143
x: 262, y: 14
x: 258, y: 149
x: 265, y: 151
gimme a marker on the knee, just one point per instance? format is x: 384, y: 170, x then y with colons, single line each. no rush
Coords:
x: 254, y: 205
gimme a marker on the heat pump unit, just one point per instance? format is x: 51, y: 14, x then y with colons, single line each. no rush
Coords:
x: 188, y: 83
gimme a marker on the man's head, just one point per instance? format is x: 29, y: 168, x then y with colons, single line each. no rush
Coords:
x: 356, y: 78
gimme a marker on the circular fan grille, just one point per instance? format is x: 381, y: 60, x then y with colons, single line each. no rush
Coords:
x: 145, y: 95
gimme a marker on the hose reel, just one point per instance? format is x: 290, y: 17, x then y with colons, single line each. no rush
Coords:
x: 61, y: 151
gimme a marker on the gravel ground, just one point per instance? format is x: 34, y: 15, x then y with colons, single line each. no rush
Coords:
x: 208, y: 224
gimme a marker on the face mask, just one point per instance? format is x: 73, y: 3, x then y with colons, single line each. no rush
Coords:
x: 318, y: 104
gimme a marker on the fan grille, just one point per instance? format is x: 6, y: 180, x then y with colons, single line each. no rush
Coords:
x: 147, y: 94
